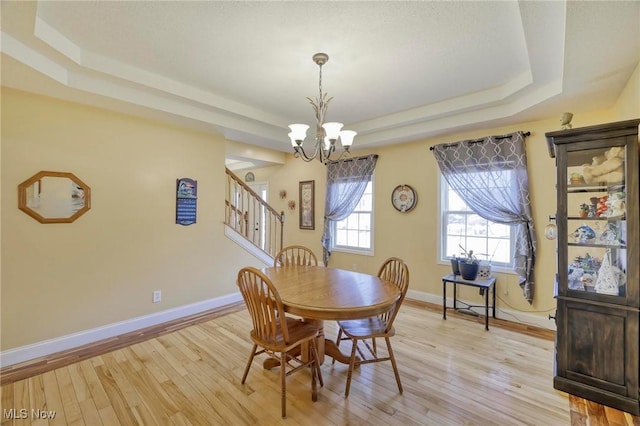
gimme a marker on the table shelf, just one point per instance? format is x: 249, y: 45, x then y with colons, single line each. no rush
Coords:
x: 485, y: 286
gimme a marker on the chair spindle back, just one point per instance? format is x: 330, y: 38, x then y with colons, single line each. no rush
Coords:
x: 295, y: 256
x: 264, y: 305
x: 396, y: 271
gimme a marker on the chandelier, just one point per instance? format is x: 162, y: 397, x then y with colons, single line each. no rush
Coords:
x: 326, y: 133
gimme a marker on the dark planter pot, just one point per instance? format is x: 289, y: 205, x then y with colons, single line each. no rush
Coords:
x: 454, y: 266
x: 469, y: 271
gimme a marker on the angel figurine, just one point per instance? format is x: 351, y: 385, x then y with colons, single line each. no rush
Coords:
x: 609, y: 276
x: 565, y: 121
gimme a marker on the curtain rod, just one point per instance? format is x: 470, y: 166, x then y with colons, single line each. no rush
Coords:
x: 525, y: 134
x: 364, y: 157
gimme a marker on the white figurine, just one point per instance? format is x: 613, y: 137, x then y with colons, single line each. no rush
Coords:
x: 565, y: 121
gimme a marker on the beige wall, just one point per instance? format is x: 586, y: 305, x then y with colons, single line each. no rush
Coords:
x: 59, y: 279
x: 66, y: 278
x: 628, y: 105
x: 287, y: 178
x: 414, y: 236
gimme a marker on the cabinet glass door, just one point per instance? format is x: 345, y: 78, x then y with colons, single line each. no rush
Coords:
x: 596, y: 221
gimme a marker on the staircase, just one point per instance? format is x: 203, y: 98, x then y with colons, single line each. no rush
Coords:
x: 251, y: 222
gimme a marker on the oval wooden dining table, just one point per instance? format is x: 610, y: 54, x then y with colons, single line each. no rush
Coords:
x: 316, y: 294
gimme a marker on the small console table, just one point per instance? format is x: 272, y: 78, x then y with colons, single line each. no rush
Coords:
x: 485, y: 285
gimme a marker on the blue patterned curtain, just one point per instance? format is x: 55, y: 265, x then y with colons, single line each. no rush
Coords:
x: 346, y: 182
x: 490, y: 175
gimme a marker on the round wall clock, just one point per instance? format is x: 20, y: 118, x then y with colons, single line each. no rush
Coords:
x: 249, y: 177
x: 404, y: 198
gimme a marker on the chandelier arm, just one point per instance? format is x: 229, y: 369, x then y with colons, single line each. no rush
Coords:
x: 323, y: 157
x: 299, y: 152
x: 325, y: 154
x: 345, y: 154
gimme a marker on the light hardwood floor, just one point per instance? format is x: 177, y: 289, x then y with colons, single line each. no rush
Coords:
x: 453, y: 373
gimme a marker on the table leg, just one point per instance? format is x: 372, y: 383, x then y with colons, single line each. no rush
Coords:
x: 444, y: 299
x: 270, y: 363
x: 455, y: 296
x: 334, y: 352
x: 494, y: 300
x: 486, y: 310
x: 320, y: 340
x: 325, y: 347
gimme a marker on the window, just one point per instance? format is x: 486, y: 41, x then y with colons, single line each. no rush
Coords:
x: 355, y: 233
x: 462, y: 227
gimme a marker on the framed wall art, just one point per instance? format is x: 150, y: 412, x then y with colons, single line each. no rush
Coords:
x: 186, y: 201
x: 307, y: 209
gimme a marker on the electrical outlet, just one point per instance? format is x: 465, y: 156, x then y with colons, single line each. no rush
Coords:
x: 506, y: 290
x: 157, y: 296
x: 355, y: 266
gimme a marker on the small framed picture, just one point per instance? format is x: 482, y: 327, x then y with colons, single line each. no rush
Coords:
x: 307, y: 210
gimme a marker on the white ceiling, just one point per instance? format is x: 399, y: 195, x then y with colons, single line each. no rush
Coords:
x: 398, y: 70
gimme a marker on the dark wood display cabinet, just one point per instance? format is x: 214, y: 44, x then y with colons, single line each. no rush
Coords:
x: 598, y: 240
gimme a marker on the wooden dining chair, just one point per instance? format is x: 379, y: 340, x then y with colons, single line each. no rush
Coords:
x: 275, y: 333
x: 360, y: 330
x: 295, y: 255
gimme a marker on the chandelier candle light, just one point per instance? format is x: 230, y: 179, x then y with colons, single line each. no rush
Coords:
x: 326, y: 133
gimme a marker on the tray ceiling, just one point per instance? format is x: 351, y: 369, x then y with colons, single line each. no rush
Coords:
x: 398, y: 71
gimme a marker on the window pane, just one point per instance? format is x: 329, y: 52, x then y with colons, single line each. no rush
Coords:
x: 500, y: 250
x: 355, y: 231
x: 352, y: 238
x: 455, y: 202
x: 364, y: 239
x: 478, y: 245
x: 366, y: 202
x: 476, y: 225
x: 365, y: 221
x: 462, y: 227
x: 453, y: 243
x: 499, y: 230
x: 455, y: 224
x: 352, y: 221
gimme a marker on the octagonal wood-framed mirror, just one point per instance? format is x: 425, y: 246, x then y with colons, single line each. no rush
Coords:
x: 54, y: 197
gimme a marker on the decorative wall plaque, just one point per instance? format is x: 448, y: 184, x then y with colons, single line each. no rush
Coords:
x: 186, y: 201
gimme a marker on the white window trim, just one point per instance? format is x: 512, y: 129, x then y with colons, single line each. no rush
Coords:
x: 442, y: 258
x: 353, y: 250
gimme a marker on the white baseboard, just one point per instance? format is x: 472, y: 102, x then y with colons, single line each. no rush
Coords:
x: 505, y: 314
x: 70, y: 341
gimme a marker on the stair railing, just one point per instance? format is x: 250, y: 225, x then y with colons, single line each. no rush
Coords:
x: 248, y: 214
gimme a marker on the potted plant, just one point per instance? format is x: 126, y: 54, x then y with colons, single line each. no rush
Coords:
x: 454, y: 264
x: 469, y: 265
